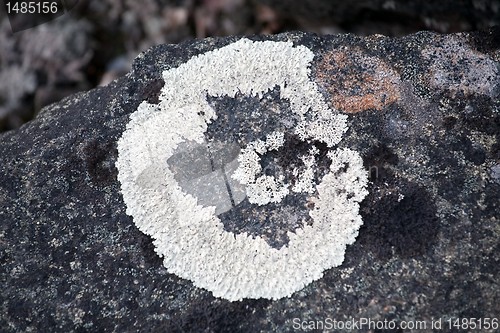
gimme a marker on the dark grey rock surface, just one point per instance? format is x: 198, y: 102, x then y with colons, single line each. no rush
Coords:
x: 424, y: 112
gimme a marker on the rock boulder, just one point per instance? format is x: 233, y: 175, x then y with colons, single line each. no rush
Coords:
x: 421, y: 112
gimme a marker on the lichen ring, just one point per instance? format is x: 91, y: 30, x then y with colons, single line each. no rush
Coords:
x: 188, y: 234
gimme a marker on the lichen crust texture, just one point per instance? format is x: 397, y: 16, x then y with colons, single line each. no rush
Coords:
x: 190, y: 236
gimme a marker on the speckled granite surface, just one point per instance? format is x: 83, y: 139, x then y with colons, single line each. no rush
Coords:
x: 424, y: 113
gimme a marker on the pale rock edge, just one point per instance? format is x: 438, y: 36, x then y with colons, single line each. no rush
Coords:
x: 190, y: 237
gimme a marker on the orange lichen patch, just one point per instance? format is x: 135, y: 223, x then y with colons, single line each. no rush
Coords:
x: 356, y: 82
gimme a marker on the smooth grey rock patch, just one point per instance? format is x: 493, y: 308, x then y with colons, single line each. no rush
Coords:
x: 495, y: 172
x: 73, y: 260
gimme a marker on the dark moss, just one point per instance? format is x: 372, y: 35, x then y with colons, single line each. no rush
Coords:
x: 271, y: 221
x: 474, y: 155
x: 449, y: 122
x: 151, y: 92
x: 485, y: 41
x: 99, y: 162
x: 482, y: 118
x: 148, y: 250
x: 378, y: 157
x: 288, y: 157
x: 407, y: 225
x: 245, y: 119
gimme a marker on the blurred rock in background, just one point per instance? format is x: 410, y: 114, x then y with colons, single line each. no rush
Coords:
x: 96, y: 41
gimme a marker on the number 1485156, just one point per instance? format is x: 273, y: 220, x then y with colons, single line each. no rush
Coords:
x: 18, y: 7
x: 473, y: 323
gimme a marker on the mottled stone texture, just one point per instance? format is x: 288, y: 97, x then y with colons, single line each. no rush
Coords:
x: 424, y: 112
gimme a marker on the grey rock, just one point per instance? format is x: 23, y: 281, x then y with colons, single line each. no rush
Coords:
x: 390, y: 17
x: 423, y: 113
x: 495, y: 172
x: 37, y: 63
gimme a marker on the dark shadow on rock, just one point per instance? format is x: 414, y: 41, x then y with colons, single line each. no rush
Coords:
x: 405, y: 222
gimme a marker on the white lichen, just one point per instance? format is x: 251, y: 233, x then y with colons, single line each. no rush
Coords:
x: 189, y: 236
x: 266, y: 189
x: 327, y: 129
x: 275, y: 140
x: 263, y: 189
x: 305, y: 181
